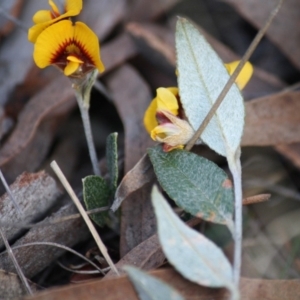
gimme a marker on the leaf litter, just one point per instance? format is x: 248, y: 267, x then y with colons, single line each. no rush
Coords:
x: 138, y: 56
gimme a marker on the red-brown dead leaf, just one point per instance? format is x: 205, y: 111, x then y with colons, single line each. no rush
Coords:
x: 160, y: 41
x: 141, y: 174
x: 118, y: 288
x: 144, y: 10
x: 290, y: 151
x: 272, y: 120
x: 284, y: 31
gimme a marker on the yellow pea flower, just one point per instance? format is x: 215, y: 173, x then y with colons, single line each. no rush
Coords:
x: 73, y: 48
x: 45, y: 18
x: 166, y: 99
x: 161, y: 118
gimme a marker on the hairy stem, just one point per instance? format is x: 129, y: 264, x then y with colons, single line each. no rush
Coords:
x: 236, y: 171
x: 83, y: 91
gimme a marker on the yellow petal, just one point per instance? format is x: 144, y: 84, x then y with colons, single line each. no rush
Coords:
x: 84, y: 36
x: 36, y: 30
x: 244, y: 75
x: 42, y: 16
x: 166, y: 100
x: 71, y: 68
x: 51, y: 41
x: 54, y: 7
x: 74, y: 59
x: 74, y: 5
x: 150, y: 121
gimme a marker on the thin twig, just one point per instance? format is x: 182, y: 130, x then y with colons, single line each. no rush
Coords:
x: 62, y: 247
x: 81, y: 271
x: 10, y: 194
x: 233, y: 77
x: 15, y: 263
x: 90, y: 225
x: 256, y: 199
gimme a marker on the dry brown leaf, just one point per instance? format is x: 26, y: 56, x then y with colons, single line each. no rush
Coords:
x: 103, y: 16
x: 118, y: 288
x: 34, y: 193
x: 29, y: 143
x: 117, y: 51
x: 272, y: 120
x: 291, y: 151
x: 144, y: 10
x: 131, y: 96
x: 284, y: 31
x: 141, y: 174
x: 148, y: 255
x: 11, y: 288
x: 34, y: 259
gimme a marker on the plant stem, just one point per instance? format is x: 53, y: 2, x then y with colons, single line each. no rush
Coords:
x: 236, y: 171
x: 83, y: 91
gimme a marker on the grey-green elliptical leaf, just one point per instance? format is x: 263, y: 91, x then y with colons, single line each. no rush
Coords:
x: 193, y: 255
x: 96, y: 194
x: 196, y: 184
x: 149, y: 287
x: 201, y: 78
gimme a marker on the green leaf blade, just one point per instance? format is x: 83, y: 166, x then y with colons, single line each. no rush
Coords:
x: 149, y: 287
x: 191, y: 253
x: 196, y: 184
x: 201, y: 78
x: 112, y: 160
x: 96, y: 194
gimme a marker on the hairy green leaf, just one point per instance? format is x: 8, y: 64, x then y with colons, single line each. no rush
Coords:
x: 196, y: 184
x: 149, y: 287
x: 201, y: 78
x: 96, y: 194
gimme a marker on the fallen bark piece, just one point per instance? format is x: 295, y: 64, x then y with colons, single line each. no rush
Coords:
x: 34, y: 194
x: 33, y: 259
